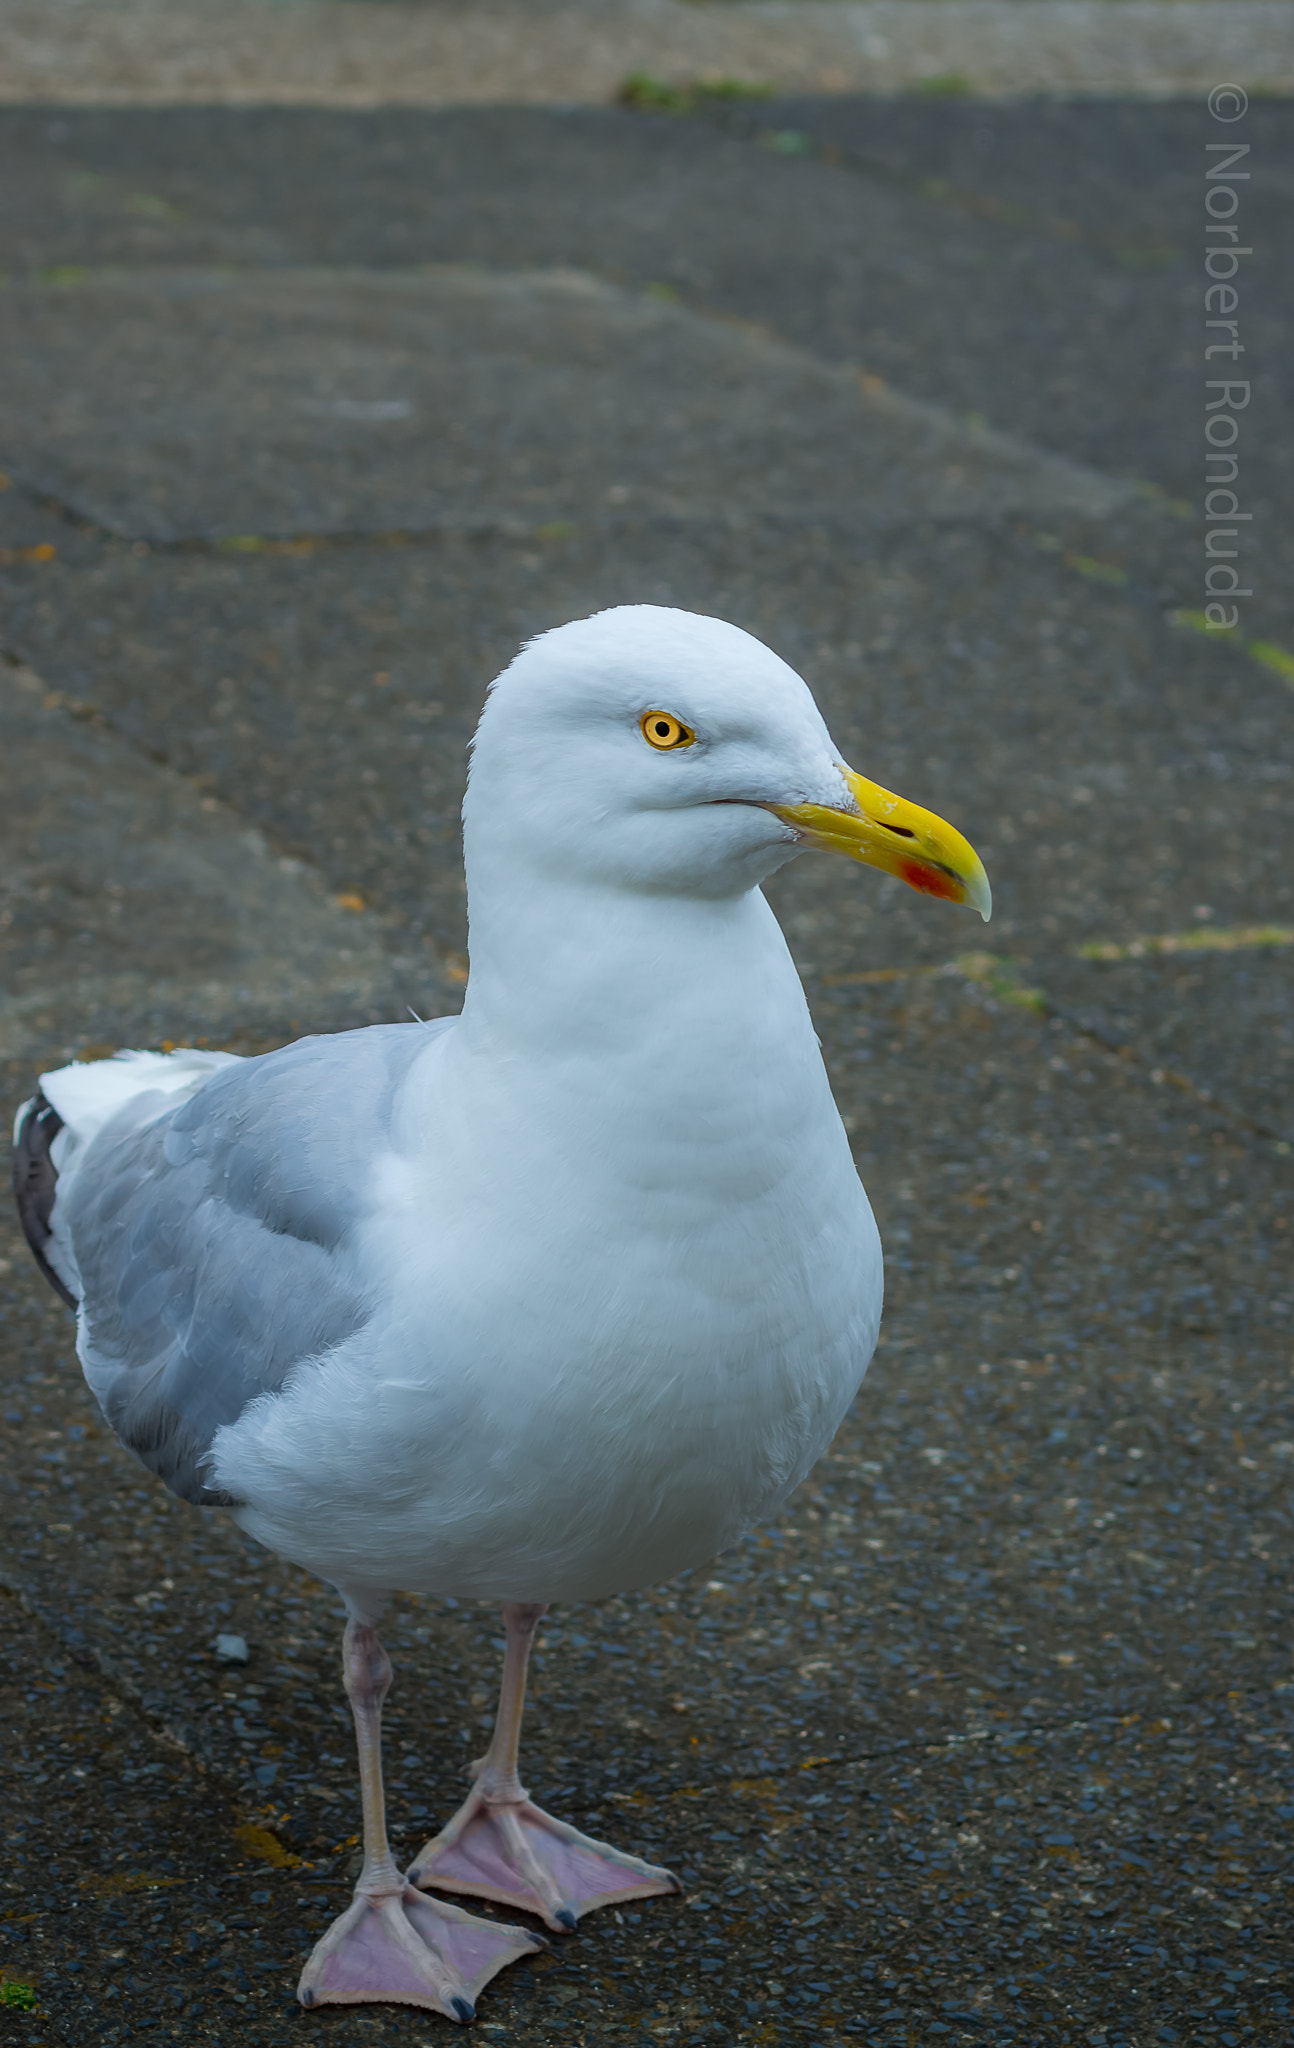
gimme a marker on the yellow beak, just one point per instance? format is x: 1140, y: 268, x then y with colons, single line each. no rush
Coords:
x: 886, y: 832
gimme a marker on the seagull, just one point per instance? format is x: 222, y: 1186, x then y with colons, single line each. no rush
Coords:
x: 547, y: 1301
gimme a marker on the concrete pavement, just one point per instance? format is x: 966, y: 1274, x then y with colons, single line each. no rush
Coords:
x: 988, y: 1739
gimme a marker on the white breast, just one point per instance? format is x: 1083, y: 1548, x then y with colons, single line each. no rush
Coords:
x: 630, y: 1282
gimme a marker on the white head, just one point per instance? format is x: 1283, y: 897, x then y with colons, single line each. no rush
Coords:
x: 655, y: 750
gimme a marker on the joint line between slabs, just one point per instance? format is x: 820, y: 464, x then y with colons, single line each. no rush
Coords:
x: 1006, y: 989
x: 1044, y: 1730
x: 698, y: 101
x: 89, y: 1654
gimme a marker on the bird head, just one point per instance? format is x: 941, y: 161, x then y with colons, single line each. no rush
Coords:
x: 662, y: 751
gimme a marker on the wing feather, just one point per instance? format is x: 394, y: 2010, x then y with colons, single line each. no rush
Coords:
x: 213, y: 1237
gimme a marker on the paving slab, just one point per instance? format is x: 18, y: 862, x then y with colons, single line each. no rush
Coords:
x: 916, y: 242
x: 131, y: 898
x: 1016, y: 172
x: 272, y: 404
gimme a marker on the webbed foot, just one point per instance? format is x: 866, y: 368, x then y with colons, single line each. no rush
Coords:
x: 514, y: 1852
x: 410, y: 1950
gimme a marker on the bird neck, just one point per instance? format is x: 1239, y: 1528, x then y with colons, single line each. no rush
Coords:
x: 604, y: 972
x: 641, y: 1049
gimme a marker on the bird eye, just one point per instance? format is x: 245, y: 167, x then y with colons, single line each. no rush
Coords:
x: 661, y: 729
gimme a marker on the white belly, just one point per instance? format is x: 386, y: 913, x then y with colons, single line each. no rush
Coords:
x: 547, y: 1414
x: 624, y: 1307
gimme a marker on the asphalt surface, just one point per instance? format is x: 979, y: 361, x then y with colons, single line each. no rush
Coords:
x: 309, y: 419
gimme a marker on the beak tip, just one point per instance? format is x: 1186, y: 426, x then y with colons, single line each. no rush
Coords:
x: 980, y: 896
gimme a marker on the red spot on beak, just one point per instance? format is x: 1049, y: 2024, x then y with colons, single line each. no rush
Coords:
x: 930, y: 881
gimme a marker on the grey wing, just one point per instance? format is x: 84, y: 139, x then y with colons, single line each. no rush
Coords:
x: 210, y: 1238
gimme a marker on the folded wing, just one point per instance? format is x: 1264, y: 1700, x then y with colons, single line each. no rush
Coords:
x: 213, y: 1237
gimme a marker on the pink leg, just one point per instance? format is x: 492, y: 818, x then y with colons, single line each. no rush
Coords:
x: 499, y: 1845
x: 391, y: 1943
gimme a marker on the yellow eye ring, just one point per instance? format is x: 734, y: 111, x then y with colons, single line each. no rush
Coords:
x: 662, y: 730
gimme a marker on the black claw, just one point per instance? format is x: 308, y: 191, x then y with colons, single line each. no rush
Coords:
x: 412, y: 1876
x: 307, y: 1996
x: 462, y: 2010
x: 565, y: 1918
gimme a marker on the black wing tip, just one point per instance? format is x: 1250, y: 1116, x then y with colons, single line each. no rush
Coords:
x: 35, y: 1179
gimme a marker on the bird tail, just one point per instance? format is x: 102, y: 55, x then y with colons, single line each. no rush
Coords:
x: 35, y: 1182
x: 56, y: 1129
